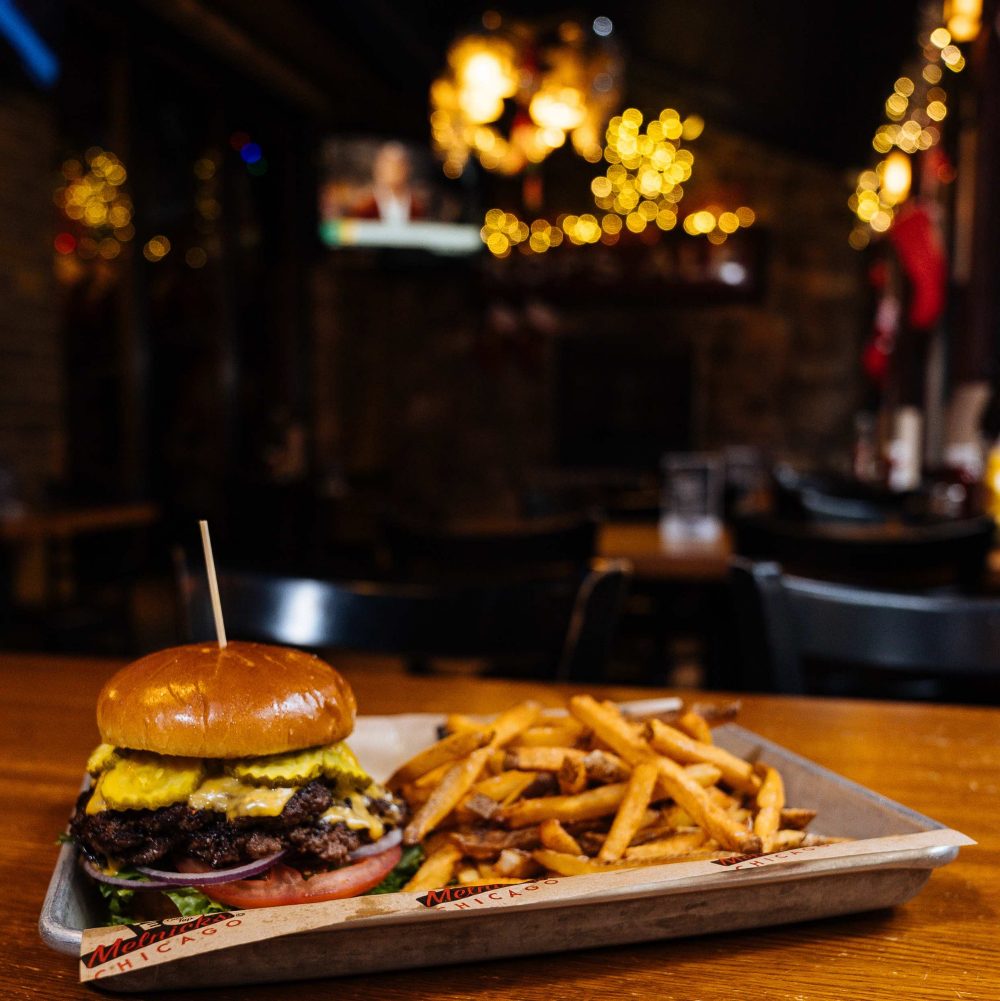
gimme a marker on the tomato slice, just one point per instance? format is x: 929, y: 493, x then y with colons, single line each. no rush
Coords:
x: 282, y: 884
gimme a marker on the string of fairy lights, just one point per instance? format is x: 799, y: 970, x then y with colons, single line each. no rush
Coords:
x: 641, y: 187
x: 914, y: 113
x: 98, y: 212
x: 94, y: 197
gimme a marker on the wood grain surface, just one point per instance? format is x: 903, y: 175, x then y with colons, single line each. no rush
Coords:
x: 944, y: 944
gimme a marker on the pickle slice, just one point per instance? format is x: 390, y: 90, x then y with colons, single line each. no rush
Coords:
x: 341, y: 766
x: 280, y: 769
x: 149, y: 781
x: 101, y: 758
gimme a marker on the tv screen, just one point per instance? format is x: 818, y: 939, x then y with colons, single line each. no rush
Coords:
x: 385, y: 193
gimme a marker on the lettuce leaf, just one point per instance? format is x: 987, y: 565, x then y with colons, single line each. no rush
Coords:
x: 409, y: 862
x: 188, y: 900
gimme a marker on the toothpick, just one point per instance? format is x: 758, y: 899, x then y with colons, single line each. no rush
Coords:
x: 213, y: 584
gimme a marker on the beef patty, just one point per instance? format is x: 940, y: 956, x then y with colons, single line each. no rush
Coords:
x: 141, y: 837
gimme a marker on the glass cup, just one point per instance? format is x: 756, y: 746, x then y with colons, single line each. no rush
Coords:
x: 691, y: 498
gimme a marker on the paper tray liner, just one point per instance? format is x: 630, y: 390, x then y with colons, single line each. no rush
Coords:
x: 888, y: 863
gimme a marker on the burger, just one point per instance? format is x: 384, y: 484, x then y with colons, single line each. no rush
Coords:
x: 223, y: 780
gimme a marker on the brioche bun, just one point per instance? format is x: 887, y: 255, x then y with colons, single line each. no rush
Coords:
x: 246, y: 700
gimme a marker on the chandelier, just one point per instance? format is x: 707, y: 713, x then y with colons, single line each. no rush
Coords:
x: 513, y: 94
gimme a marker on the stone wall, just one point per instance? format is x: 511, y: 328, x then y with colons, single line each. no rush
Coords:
x: 784, y: 373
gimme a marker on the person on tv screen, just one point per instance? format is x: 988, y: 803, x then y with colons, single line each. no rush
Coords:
x: 392, y: 197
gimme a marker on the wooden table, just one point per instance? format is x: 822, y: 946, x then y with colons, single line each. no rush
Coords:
x: 654, y: 560
x: 942, y: 761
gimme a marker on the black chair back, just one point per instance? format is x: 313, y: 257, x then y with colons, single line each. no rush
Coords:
x: 892, y: 555
x: 566, y: 626
x: 788, y: 621
x: 528, y: 548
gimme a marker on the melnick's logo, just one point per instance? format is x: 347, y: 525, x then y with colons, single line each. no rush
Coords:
x: 146, y: 935
x: 449, y: 894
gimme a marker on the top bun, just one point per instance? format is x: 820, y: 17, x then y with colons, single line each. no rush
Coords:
x: 245, y: 700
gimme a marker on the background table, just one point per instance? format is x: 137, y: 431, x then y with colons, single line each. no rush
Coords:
x: 639, y: 542
x: 942, y: 761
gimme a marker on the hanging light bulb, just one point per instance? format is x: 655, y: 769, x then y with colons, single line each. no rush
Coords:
x: 963, y: 18
x: 896, y: 178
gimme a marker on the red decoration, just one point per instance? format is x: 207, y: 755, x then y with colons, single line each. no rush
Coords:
x: 920, y: 252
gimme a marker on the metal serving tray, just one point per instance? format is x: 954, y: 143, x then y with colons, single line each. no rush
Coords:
x: 573, y: 913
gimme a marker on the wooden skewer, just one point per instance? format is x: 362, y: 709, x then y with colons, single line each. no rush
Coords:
x: 213, y: 584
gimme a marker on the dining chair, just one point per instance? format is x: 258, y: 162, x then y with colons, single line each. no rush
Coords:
x: 894, y: 555
x: 563, y: 627
x: 800, y: 635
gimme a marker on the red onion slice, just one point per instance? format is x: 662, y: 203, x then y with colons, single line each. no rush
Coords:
x: 128, y: 884
x: 383, y: 844
x: 212, y: 876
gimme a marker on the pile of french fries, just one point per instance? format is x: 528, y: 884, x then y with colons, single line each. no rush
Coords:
x: 533, y: 793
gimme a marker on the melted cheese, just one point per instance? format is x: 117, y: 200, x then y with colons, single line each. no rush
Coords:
x: 354, y: 813
x: 228, y: 795
x: 96, y: 803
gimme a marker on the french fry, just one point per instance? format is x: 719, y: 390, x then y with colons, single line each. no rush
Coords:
x: 592, y: 842
x: 675, y: 817
x: 446, y: 796
x: 437, y: 869
x: 736, y: 772
x: 611, y: 728
x: 414, y: 796
x: 506, y: 786
x: 487, y: 844
x: 787, y: 838
x: 515, y: 863
x: 674, y: 844
x: 676, y: 783
x: 467, y: 875
x: 553, y: 835
x: 487, y: 874
x: 572, y: 776
x: 703, y: 773
x: 722, y: 799
x: 513, y: 722
x: 695, y: 855
x: 480, y: 806
x: 541, y: 759
x: 796, y: 818
x: 673, y: 781
x: 695, y: 726
x: 565, y: 733
x: 564, y: 864
x: 770, y: 800
x: 449, y: 749
x: 605, y: 767
x: 630, y: 811
x: 430, y: 779
x: 459, y: 722
x: 435, y: 841
x: 811, y: 840
x: 599, y: 802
